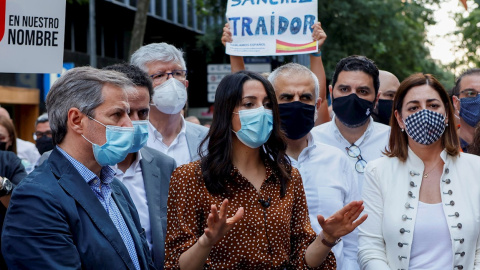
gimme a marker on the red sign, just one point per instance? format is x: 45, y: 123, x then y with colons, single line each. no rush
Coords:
x: 3, y: 4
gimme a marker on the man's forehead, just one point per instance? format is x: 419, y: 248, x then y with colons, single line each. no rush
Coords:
x: 354, y: 78
x: 470, y: 81
x: 113, y: 94
x: 295, y: 82
x: 156, y: 66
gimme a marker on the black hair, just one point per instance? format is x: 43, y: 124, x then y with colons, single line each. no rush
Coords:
x: 135, y: 74
x: 216, y: 164
x: 456, y: 88
x: 358, y: 63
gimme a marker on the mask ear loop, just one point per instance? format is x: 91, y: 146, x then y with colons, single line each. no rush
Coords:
x: 87, y: 140
x: 91, y: 118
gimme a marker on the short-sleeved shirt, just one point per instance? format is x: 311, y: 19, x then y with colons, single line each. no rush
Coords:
x: 273, y: 237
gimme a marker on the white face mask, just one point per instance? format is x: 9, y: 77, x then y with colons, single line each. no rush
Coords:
x: 170, y: 96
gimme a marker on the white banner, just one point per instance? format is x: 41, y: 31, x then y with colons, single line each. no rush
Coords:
x: 32, y: 34
x: 271, y: 27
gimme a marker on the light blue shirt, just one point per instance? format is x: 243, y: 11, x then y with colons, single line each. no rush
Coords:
x: 104, y: 195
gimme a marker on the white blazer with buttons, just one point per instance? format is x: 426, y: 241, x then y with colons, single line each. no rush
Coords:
x: 390, y: 195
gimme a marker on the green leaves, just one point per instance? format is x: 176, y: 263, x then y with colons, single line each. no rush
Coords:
x: 390, y: 32
x: 470, y: 31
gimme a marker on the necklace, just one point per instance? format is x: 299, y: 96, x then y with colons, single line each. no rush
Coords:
x: 425, y: 175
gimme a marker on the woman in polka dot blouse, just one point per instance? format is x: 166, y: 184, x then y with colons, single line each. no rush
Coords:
x: 242, y: 206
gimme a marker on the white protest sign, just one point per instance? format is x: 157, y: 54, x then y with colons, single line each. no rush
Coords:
x: 32, y: 35
x: 271, y: 27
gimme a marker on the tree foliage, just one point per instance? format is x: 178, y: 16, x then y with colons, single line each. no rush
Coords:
x: 469, y: 29
x: 390, y: 32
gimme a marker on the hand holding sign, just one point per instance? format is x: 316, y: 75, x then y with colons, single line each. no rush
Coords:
x: 270, y: 27
x: 318, y: 34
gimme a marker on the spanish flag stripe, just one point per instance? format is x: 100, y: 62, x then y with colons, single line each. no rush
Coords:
x: 279, y: 42
x: 295, y: 50
x: 283, y: 47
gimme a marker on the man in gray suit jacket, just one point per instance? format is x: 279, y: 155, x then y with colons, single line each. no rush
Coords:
x: 169, y: 133
x: 146, y: 172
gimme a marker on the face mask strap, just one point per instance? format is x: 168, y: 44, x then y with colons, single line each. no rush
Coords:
x: 87, y: 140
x: 91, y: 118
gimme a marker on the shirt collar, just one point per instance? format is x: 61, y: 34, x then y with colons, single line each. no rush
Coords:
x: 240, y: 179
x: 134, y: 165
x: 365, y: 135
x: 106, y: 174
x: 159, y: 136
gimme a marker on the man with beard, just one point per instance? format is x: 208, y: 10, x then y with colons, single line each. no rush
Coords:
x: 354, y: 91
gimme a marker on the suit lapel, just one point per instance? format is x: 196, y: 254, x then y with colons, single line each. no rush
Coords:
x: 151, y: 175
x: 193, y: 138
x: 74, y: 184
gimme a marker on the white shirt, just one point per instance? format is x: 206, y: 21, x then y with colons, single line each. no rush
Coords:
x: 371, y: 143
x: 178, y: 149
x: 28, y: 153
x: 431, y: 240
x: 329, y: 185
x: 133, y: 181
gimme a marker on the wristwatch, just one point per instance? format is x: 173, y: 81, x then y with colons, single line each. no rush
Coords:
x: 7, y: 186
x: 329, y: 244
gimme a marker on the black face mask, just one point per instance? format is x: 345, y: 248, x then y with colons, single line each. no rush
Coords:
x: 297, y: 119
x: 383, y: 111
x: 351, y: 110
x: 3, y: 146
x: 44, y: 144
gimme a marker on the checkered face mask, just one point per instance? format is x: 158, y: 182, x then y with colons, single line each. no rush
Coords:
x: 425, y: 126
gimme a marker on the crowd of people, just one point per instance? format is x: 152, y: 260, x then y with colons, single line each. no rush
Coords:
x: 119, y: 179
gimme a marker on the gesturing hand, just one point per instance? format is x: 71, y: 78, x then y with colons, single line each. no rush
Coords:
x: 343, y: 221
x: 218, y: 224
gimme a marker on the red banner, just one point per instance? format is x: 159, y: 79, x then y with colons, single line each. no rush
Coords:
x: 3, y: 4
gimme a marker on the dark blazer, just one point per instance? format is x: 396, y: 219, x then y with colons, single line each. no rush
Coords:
x: 157, y: 169
x: 10, y: 167
x: 55, y: 221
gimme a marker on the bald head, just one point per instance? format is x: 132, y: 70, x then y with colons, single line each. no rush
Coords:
x: 388, y: 85
x: 4, y: 113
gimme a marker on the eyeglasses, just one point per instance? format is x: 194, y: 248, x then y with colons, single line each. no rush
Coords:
x: 355, y: 152
x: 468, y: 93
x: 37, y: 135
x: 161, y: 76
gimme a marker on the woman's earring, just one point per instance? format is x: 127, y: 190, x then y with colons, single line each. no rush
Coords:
x: 403, y: 130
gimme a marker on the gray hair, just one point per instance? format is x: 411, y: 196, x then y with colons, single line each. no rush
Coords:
x: 42, y: 119
x: 294, y: 69
x: 162, y: 52
x: 80, y: 88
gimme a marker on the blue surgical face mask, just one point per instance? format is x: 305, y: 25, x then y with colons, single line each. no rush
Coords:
x: 140, y: 135
x: 118, y: 145
x: 470, y: 110
x: 257, y: 125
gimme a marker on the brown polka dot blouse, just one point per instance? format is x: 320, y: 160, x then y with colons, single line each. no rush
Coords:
x: 275, y: 237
